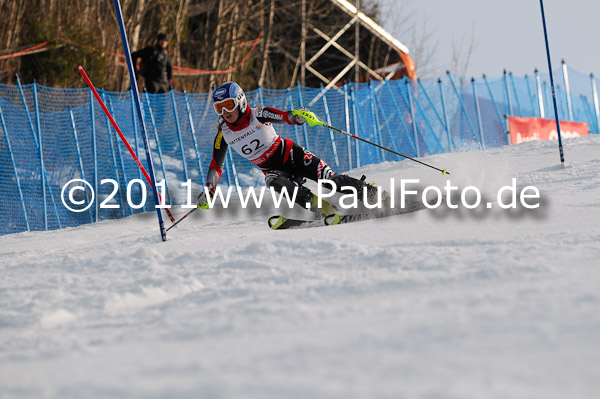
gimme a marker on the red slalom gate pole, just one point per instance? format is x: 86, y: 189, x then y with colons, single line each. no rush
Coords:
x: 114, y: 123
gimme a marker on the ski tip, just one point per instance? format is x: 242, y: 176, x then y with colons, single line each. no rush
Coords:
x: 275, y: 222
x: 333, y: 219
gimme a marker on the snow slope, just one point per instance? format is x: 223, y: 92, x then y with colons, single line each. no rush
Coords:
x: 485, y: 303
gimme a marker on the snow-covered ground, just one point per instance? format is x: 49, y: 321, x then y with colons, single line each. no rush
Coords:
x: 485, y: 303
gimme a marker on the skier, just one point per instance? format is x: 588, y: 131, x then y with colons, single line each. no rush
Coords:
x: 285, y: 164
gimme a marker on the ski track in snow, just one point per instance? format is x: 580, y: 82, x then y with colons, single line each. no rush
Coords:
x: 435, y: 304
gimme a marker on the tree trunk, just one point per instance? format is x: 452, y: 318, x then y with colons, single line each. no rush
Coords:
x: 235, y: 30
x: 265, y: 59
x: 137, y: 25
x: 215, y: 56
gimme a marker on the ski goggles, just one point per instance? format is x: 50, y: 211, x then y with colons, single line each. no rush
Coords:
x: 228, y: 104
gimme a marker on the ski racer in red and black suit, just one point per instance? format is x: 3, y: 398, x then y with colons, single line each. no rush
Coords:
x: 285, y: 163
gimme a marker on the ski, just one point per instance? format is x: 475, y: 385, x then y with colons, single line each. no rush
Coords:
x: 279, y: 222
x: 333, y: 219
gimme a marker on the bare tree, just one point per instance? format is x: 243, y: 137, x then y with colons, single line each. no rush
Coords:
x: 462, y: 52
x: 413, y: 29
x: 207, y: 35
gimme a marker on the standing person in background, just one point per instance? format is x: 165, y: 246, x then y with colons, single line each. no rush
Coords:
x: 155, y: 65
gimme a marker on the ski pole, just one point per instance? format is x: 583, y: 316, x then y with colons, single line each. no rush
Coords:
x: 205, y: 206
x: 312, y: 120
x: 183, y: 217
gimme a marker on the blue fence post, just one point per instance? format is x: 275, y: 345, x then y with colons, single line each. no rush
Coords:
x: 479, y: 122
x: 39, y: 132
x: 185, y: 172
x: 193, y: 131
x: 227, y: 162
x: 230, y: 153
x: 114, y: 157
x: 547, y: 97
x: 304, y: 129
x: 347, y: 119
x: 261, y: 100
x: 289, y: 91
x: 462, y: 105
x: 79, y: 157
x: 587, y: 110
x: 331, y: 136
x: 514, y: 87
x: 26, y: 110
x: 595, y: 99
x: 39, y: 145
x: 437, y: 115
x: 355, y: 120
x: 450, y: 140
x: 412, y: 117
x: 426, y: 120
x: 118, y: 151
x: 560, y: 104
x: 120, y: 156
x: 12, y: 158
x: 375, y: 119
x: 508, y: 96
x: 400, y: 116
x: 93, y: 119
x: 567, y: 89
x: 135, y: 132
x: 530, y: 95
x: 386, y: 123
x: 234, y: 170
x: 540, y: 95
x: 498, y: 114
x: 158, y: 147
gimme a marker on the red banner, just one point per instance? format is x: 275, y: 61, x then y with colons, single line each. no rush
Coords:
x: 528, y: 129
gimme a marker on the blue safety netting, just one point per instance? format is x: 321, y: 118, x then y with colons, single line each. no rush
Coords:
x: 50, y: 136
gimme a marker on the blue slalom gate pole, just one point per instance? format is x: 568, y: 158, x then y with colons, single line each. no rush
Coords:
x: 560, y: 146
x: 136, y: 96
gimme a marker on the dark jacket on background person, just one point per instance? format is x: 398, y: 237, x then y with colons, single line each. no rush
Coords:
x: 156, y: 68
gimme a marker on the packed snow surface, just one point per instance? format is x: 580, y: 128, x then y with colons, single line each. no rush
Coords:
x: 445, y: 303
